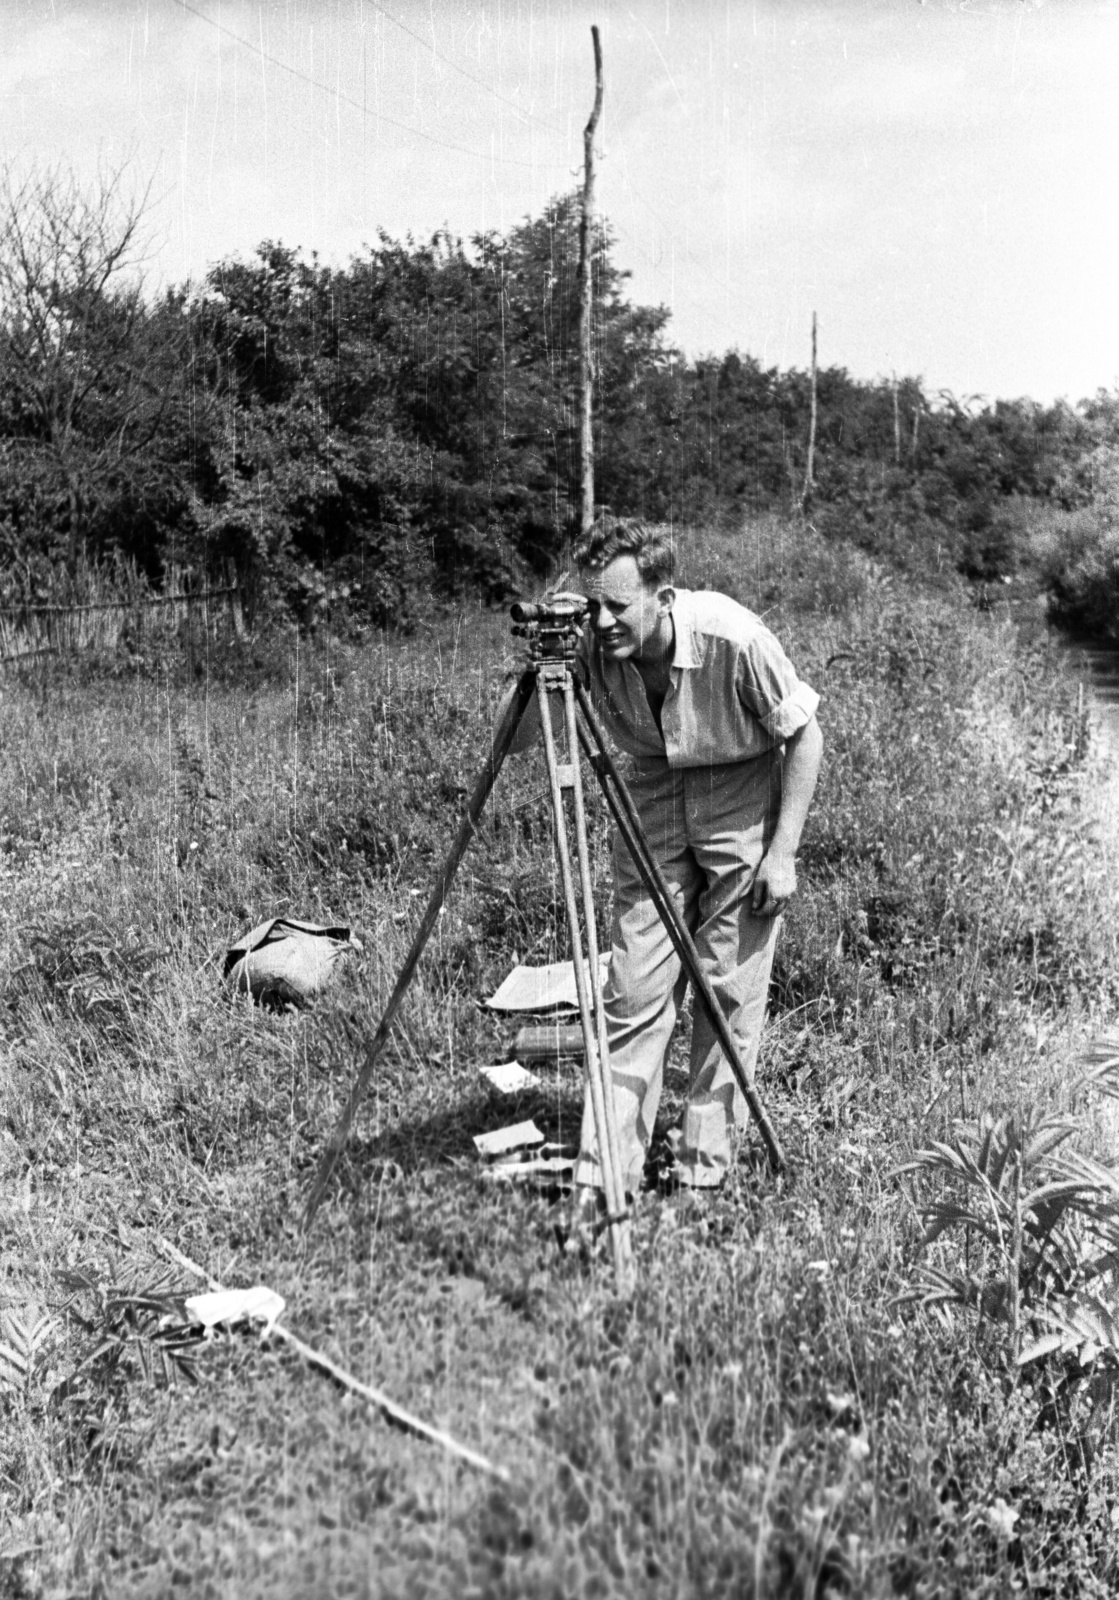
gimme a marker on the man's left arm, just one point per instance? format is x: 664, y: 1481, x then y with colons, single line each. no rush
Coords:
x: 776, y: 878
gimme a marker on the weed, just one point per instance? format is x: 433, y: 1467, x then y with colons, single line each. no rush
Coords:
x: 1041, y: 1229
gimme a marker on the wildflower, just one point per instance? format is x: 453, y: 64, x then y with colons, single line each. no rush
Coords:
x: 1002, y: 1518
x: 840, y: 1404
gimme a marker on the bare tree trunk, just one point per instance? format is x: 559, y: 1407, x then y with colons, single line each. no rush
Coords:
x: 236, y: 610
x: 897, y: 425
x: 63, y: 256
x: 810, y: 462
x: 586, y: 253
x: 75, y: 542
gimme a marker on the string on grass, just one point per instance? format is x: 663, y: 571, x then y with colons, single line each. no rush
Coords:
x: 322, y: 1363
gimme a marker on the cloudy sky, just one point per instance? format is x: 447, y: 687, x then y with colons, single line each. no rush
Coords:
x: 937, y: 179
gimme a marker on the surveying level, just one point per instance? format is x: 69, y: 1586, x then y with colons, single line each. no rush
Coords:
x: 552, y: 631
x: 554, y: 616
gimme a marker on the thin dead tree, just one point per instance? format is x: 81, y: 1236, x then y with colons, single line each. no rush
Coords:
x: 810, y: 461
x: 74, y: 335
x: 897, y: 424
x: 586, y: 302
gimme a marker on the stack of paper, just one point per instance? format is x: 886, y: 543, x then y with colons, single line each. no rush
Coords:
x: 549, y: 988
x: 550, y: 1163
x: 535, y: 1169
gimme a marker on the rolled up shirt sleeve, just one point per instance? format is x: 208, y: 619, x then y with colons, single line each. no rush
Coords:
x: 770, y: 690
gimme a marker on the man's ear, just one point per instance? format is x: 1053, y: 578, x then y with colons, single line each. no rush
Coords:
x: 666, y: 599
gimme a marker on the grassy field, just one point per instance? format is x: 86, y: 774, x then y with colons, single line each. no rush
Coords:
x: 770, y: 1415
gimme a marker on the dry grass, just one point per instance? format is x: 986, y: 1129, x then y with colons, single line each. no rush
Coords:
x: 766, y: 1417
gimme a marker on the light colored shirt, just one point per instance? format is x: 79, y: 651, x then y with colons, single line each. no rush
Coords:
x: 732, y: 695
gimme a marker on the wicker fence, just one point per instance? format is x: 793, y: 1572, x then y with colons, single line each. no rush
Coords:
x: 131, y: 615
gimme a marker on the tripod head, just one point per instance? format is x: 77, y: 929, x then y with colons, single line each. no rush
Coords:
x: 552, y: 628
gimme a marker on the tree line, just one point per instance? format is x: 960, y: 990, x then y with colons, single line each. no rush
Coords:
x: 348, y: 440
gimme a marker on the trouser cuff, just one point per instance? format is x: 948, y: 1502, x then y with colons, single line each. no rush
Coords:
x: 698, y: 1177
x: 588, y: 1174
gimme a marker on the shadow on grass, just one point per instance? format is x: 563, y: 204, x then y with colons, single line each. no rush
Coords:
x: 415, y: 1145
x: 436, y: 1210
x: 445, y: 1138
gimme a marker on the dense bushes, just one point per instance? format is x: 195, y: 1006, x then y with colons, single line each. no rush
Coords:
x: 350, y: 437
x: 1080, y: 564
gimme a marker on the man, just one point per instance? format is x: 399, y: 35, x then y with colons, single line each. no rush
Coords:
x: 724, y: 752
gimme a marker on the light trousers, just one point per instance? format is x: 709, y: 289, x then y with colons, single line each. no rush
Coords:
x: 708, y: 828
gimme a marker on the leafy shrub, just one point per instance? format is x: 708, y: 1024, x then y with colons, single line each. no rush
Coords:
x: 1042, y: 1229
x: 1079, y: 561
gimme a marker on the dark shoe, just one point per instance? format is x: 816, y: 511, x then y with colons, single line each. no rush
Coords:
x: 587, y: 1220
x: 684, y: 1198
x: 585, y: 1223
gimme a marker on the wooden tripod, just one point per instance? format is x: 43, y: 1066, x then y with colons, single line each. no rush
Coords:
x: 551, y: 671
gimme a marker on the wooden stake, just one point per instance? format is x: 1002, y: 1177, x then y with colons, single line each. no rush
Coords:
x: 897, y: 425
x: 809, y: 478
x: 586, y: 254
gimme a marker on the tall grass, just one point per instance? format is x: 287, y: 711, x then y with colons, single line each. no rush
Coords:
x: 770, y: 1415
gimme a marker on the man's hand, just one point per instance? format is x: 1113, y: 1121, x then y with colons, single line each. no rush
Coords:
x: 774, y: 882
x: 776, y: 878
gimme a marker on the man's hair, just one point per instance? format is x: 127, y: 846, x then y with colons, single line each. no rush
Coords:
x: 612, y: 537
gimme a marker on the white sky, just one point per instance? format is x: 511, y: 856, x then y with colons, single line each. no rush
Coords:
x: 937, y: 179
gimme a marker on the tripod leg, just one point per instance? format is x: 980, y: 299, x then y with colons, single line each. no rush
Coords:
x: 582, y: 851
x: 624, y: 812
x: 503, y: 738
x: 618, y: 1220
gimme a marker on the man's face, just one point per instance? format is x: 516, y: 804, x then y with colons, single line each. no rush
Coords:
x: 630, y: 617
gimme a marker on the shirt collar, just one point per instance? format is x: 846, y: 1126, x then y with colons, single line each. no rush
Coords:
x: 687, y: 652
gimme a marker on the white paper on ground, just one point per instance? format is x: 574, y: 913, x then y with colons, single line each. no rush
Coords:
x: 517, y: 1135
x: 236, y: 1305
x: 508, y: 1077
x: 521, y: 1171
x: 548, y: 988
